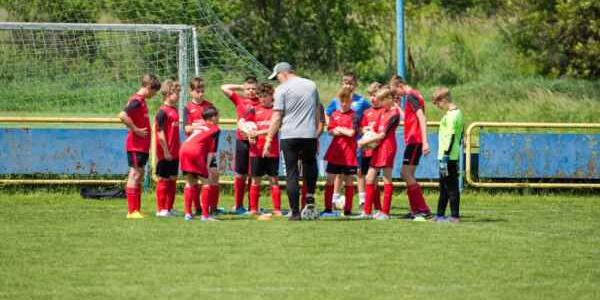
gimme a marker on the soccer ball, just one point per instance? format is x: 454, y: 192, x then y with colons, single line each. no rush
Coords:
x: 249, y: 126
x: 340, y: 202
x: 369, y: 135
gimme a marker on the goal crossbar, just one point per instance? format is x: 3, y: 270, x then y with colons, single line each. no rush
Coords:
x: 94, y: 27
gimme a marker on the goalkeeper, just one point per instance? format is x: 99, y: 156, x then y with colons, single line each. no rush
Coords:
x: 450, y: 137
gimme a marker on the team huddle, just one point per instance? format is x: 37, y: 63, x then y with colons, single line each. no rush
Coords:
x: 362, y: 149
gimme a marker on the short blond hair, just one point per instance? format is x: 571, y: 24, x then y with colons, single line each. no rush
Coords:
x: 170, y: 87
x: 373, y: 88
x: 442, y: 93
x: 385, y: 92
x: 344, y: 93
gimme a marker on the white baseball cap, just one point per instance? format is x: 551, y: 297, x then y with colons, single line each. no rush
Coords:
x: 280, y: 67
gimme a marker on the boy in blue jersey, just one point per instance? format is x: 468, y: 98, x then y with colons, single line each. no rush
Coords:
x: 359, y: 105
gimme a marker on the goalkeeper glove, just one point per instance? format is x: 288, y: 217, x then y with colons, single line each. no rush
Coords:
x: 444, y: 166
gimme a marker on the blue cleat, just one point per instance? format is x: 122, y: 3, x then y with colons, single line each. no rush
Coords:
x: 381, y: 217
x: 329, y: 214
x: 188, y: 217
x: 240, y: 210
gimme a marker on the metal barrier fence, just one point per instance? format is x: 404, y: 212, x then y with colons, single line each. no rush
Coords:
x: 538, y: 156
x: 78, y: 151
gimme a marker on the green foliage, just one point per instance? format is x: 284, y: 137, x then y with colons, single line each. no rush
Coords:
x: 561, y: 36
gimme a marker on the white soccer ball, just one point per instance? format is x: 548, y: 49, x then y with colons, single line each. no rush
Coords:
x: 340, y: 202
x: 369, y: 135
x: 249, y: 126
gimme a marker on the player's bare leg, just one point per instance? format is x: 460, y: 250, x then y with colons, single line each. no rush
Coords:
x: 213, y: 190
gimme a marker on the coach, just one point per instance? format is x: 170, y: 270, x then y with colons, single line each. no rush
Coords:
x: 295, y: 116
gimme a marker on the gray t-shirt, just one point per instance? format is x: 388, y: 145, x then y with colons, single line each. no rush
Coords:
x: 298, y: 100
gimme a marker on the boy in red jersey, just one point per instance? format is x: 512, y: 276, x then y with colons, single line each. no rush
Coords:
x: 415, y: 139
x: 192, y: 118
x: 242, y: 146
x: 135, y: 117
x: 341, y: 154
x: 166, y: 129
x: 197, y: 154
x: 383, y: 154
x: 369, y: 121
x: 259, y: 165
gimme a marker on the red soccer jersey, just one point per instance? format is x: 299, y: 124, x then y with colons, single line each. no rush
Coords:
x: 384, y: 153
x: 137, y: 110
x: 242, y: 105
x: 167, y: 120
x: 342, y: 150
x: 262, y: 117
x: 195, y: 149
x: 369, y: 119
x: 192, y: 112
x: 412, y: 128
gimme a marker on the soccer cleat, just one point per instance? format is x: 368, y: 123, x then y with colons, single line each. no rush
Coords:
x: 363, y: 216
x: 454, y: 220
x: 381, y: 217
x: 438, y: 219
x: 174, y: 213
x: 135, y: 215
x: 419, y: 218
x: 294, y: 218
x: 277, y: 213
x: 329, y: 214
x: 163, y: 213
x: 251, y: 213
x: 409, y: 215
x: 188, y: 217
x: 240, y: 210
x: 208, y: 219
x: 310, y: 213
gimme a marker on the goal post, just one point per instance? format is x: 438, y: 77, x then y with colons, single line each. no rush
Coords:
x: 79, y: 52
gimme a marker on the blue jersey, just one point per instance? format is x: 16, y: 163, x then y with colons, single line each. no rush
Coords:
x: 359, y: 105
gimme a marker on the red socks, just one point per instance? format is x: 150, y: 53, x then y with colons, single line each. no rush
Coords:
x: 388, y: 189
x: 369, y: 197
x: 377, y: 198
x: 134, y: 196
x: 205, y: 200
x: 276, y: 196
x: 239, y: 185
x: 162, y: 191
x: 328, y: 197
x: 188, y: 195
x: 213, y: 196
x: 416, y: 199
x: 254, y: 197
x: 349, y: 194
x: 172, y: 185
x: 303, y: 197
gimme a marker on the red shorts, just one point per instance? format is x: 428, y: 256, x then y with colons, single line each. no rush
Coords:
x: 383, y: 158
x: 192, y: 162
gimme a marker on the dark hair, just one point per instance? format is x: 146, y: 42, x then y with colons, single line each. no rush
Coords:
x: 351, y: 75
x: 264, y: 89
x: 196, y: 83
x: 151, y: 81
x: 209, y: 112
x: 251, y: 80
x: 397, y: 80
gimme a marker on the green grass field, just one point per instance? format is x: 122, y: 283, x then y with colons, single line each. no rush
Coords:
x: 509, y: 246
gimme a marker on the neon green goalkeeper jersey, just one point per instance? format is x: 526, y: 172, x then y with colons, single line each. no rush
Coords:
x: 450, y: 134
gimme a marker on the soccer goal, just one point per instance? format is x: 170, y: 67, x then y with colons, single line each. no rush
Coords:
x: 88, y: 68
